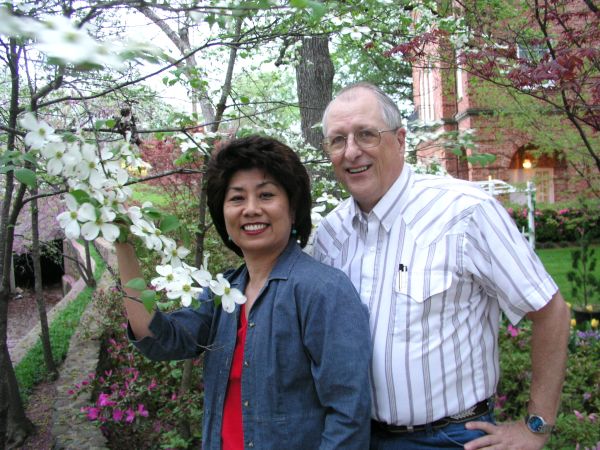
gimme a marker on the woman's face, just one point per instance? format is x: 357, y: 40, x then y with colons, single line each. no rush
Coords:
x: 257, y: 214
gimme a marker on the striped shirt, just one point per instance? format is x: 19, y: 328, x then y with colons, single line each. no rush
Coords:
x: 435, y: 261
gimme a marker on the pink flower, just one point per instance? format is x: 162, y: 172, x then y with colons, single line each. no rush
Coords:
x: 130, y: 415
x: 104, y: 400
x: 579, y: 416
x: 153, y: 384
x: 142, y: 411
x: 514, y: 332
x: 593, y: 417
x: 93, y: 413
x: 118, y: 415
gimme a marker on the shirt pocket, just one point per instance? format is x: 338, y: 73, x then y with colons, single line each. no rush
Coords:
x: 421, y: 285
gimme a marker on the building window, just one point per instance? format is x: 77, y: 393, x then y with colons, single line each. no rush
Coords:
x: 543, y: 177
x: 426, y: 89
x: 459, y: 80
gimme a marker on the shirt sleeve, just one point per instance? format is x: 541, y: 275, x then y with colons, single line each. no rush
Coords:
x: 182, y: 334
x: 500, y: 257
x: 337, y: 339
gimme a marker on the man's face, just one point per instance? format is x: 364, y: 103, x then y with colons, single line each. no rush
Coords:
x: 367, y: 173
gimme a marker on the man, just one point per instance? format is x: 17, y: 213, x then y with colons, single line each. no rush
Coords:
x: 435, y: 259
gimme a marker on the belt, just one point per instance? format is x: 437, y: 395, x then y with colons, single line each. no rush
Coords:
x: 471, y: 413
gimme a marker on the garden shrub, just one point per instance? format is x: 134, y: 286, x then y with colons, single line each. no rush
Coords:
x: 578, y: 422
x: 560, y: 224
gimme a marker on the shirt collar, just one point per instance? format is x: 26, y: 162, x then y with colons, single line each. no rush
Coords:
x: 391, y: 205
x: 281, y: 270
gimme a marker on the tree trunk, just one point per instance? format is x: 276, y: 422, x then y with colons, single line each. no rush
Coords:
x: 19, y: 426
x: 39, y: 293
x: 9, y: 390
x: 314, y: 85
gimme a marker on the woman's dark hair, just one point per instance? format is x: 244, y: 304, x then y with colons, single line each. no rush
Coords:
x: 275, y: 159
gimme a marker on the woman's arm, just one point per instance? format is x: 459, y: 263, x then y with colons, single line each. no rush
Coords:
x: 338, y: 340
x: 129, y: 268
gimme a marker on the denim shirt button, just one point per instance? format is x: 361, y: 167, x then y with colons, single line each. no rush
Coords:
x: 250, y: 444
x: 246, y: 363
x: 251, y: 324
x: 246, y: 403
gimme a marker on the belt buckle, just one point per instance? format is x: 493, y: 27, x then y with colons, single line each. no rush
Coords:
x: 464, y: 414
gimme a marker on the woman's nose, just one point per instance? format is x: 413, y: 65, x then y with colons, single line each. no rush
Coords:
x: 252, y: 206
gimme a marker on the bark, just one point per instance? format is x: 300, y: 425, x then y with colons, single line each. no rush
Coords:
x: 314, y: 85
x: 8, y: 219
x: 39, y: 293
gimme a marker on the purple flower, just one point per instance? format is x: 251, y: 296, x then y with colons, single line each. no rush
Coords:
x: 514, y: 332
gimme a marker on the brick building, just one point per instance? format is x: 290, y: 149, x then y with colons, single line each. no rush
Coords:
x: 449, y: 99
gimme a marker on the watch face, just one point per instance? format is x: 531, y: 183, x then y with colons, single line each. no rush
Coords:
x: 536, y: 424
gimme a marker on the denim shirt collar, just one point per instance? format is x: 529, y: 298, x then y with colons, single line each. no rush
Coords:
x: 281, y: 270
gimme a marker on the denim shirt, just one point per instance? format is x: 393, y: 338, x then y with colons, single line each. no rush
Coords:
x: 305, y: 375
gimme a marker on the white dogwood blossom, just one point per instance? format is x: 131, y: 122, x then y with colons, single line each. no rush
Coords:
x: 101, y: 225
x: 99, y: 177
x: 229, y: 297
x: 40, y: 133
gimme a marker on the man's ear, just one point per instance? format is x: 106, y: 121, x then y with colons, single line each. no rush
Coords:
x: 401, y: 135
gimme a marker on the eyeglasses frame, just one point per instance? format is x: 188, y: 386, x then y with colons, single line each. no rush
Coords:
x: 324, y: 143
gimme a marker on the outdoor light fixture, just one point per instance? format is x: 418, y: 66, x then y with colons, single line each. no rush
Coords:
x: 526, y: 163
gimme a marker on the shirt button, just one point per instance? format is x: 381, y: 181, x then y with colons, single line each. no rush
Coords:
x: 246, y: 363
x: 251, y: 324
x: 246, y: 403
x: 251, y: 444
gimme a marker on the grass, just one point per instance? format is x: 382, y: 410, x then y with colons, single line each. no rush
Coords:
x: 31, y: 370
x: 558, y: 262
x: 147, y: 193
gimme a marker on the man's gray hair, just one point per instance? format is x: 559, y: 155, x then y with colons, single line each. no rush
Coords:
x: 389, y: 111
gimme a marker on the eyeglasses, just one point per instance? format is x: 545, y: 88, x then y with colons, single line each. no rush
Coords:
x: 365, y: 138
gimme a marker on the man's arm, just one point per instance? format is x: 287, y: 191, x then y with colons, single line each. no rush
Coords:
x: 550, y: 334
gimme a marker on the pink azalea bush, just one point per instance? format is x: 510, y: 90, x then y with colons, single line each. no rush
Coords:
x: 136, y: 402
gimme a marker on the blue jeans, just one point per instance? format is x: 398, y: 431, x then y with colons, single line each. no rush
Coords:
x: 450, y: 436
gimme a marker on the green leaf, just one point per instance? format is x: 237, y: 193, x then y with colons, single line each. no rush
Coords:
x: 245, y: 100
x: 7, y: 168
x: 169, y: 223
x: 80, y: 196
x: 29, y: 157
x: 139, y: 284
x: 99, y: 124
x: 299, y: 3
x: 481, y: 158
x: 110, y: 123
x: 217, y: 300
x: 26, y: 176
x: 148, y: 298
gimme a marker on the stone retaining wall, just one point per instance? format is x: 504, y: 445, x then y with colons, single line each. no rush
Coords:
x: 70, y: 429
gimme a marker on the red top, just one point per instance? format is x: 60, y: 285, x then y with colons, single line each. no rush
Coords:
x: 232, y: 430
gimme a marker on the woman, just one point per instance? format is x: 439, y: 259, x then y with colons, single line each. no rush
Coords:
x: 289, y: 368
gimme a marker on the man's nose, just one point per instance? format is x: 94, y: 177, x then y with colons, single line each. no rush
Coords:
x: 352, y: 150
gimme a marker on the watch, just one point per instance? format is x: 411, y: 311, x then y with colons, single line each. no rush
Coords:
x: 537, y: 424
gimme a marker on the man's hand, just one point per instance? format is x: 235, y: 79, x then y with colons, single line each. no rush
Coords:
x: 509, y: 436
